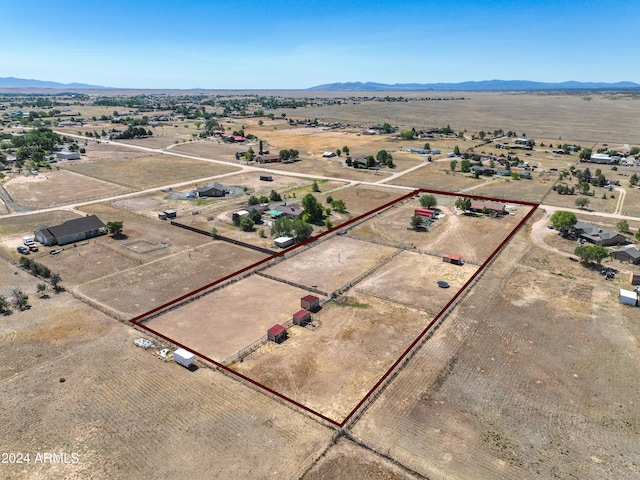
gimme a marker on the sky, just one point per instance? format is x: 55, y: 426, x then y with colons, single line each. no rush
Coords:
x: 274, y: 44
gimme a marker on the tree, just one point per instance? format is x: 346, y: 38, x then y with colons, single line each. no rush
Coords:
x: 214, y: 232
x: 427, y: 146
x: 338, y: 152
x: 115, y: 228
x: 253, y: 200
x: 274, y: 196
x: 407, y: 134
x: 41, y: 288
x: 634, y: 151
x: 582, y: 202
x: 246, y: 224
x: 591, y: 253
x: 465, y: 166
x: 633, y: 180
x: 282, y: 227
x: 623, y: 226
x: 338, y: 206
x: 585, y: 154
x: 55, y: 282
x: 463, y: 203
x: 315, y: 187
x: 456, y: 150
x: 255, y: 216
x: 371, y: 162
x: 416, y: 221
x: 328, y: 224
x: 563, y: 221
x: 20, y: 299
x: 452, y: 165
x: 584, y: 187
x: 312, y: 208
x: 638, y: 235
x: 301, y: 230
x: 4, y: 305
x: 345, y: 150
x: 428, y: 201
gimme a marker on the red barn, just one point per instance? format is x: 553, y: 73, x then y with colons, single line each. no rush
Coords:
x: 310, y: 303
x: 277, y: 333
x: 452, y: 258
x: 301, y: 317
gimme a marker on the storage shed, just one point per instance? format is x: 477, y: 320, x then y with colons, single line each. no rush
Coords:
x: 628, y: 297
x: 184, y: 357
x: 310, y: 303
x: 171, y: 213
x: 277, y: 333
x: 634, y: 279
x: 162, y: 216
x: 425, y: 212
x: 301, y: 317
x: 452, y: 258
x: 283, y: 242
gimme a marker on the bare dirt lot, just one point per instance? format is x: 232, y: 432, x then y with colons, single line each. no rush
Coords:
x: 332, y: 263
x: 227, y: 320
x: 74, y: 383
x: 331, y: 368
x: 59, y: 187
x: 513, y: 385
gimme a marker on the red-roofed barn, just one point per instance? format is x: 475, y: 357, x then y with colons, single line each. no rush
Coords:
x: 310, y: 303
x: 277, y: 333
x: 301, y: 317
x: 452, y: 258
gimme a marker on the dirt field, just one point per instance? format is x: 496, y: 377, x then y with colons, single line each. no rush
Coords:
x: 331, y: 368
x: 361, y: 199
x: 513, y: 385
x: 223, y: 322
x: 75, y: 383
x: 59, y: 187
x: 150, y: 171
x: 331, y: 264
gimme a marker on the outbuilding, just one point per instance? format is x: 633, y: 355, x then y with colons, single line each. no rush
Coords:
x: 634, y: 279
x: 301, y: 317
x: 266, y: 178
x: 184, y: 357
x: 628, y: 297
x: 425, y: 213
x: 277, y: 333
x: 171, y: 213
x: 283, y: 242
x: 310, y: 303
x: 452, y: 258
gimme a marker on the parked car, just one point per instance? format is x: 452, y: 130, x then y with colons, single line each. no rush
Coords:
x: 55, y: 251
x: 23, y: 250
x: 33, y: 247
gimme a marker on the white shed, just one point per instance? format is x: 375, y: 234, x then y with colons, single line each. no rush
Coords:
x: 283, y: 242
x: 628, y: 297
x: 183, y: 357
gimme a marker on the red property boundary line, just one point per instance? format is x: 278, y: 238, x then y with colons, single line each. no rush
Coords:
x: 137, y: 321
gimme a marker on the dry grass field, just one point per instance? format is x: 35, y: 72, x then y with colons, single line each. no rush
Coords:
x: 150, y: 171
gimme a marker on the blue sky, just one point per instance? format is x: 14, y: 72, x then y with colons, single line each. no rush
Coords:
x: 275, y: 44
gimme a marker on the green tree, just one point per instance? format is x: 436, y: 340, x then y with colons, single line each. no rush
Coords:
x: 634, y: 151
x: 301, y: 230
x: 371, y: 162
x: 338, y: 152
x: 416, y: 221
x: 328, y: 224
x: 55, y: 282
x: 255, y: 216
x: 274, y: 196
x: 253, y: 200
x: 428, y: 201
x: 633, y: 180
x: 623, y: 226
x: 315, y: 187
x: 338, y: 206
x: 282, y: 227
x: 582, y: 202
x: 115, y: 228
x: 563, y: 221
x: 465, y: 166
x: 20, y: 299
x: 585, y: 153
x: 407, y: 134
x: 637, y: 235
x: 214, y: 232
x: 456, y: 150
x: 345, y: 150
x: 41, y: 288
x: 452, y: 165
x: 246, y: 224
x: 591, y: 253
x: 584, y: 187
x: 312, y: 208
x: 427, y: 146
x: 463, y: 203
x: 4, y: 305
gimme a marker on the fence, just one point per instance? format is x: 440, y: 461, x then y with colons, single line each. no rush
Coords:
x: 224, y: 239
x: 293, y: 284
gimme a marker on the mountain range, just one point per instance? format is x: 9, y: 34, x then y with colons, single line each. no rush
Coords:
x: 485, y: 85
x: 12, y: 82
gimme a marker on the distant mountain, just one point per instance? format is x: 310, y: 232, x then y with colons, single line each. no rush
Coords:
x: 485, y: 85
x: 11, y: 82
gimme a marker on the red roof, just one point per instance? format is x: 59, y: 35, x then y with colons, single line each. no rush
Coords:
x: 453, y: 256
x: 310, y: 298
x: 424, y: 212
x: 276, y: 330
x: 300, y: 314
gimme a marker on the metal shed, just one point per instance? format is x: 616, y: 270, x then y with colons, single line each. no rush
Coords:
x: 277, y: 333
x: 310, y: 303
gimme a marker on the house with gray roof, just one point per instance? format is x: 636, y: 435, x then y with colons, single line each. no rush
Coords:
x: 71, y: 231
x: 214, y: 189
x: 629, y: 254
x: 598, y: 235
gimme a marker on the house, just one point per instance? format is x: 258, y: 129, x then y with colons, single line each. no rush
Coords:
x: 598, y: 235
x: 425, y: 213
x: 301, y: 317
x: 629, y: 254
x: 277, y: 333
x: 634, y: 279
x: 283, y: 242
x: 268, y: 158
x: 419, y: 151
x: 629, y: 297
x: 214, y: 189
x: 71, y: 231
x: 601, y: 158
x: 482, y: 170
x: 292, y: 211
x: 310, y: 303
x: 503, y: 172
x: 494, y: 207
x: 452, y: 258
